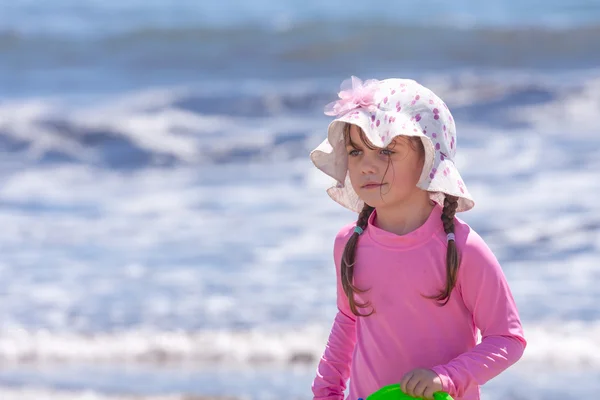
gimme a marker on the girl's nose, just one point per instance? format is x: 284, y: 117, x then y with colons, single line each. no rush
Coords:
x: 368, y: 167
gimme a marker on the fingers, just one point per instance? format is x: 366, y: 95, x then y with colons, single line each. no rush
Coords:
x: 428, y: 393
x: 419, y: 389
x: 405, y: 380
x: 412, y: 384
x: 419, y: 383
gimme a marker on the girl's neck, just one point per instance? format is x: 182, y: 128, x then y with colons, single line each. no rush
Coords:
x: 405, y: 217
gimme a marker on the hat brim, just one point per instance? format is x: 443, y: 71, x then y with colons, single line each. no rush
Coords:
x: 331, y: 158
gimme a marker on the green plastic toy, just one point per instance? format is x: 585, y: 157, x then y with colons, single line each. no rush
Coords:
x: 393, y: 392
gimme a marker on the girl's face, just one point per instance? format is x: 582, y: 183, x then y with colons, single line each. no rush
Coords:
x: 384, y: 177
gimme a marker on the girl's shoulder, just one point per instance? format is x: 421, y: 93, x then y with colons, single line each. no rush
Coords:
x: 344, y: 234
x: 466, y: 237
x: 340, y: 241
x: 472, y: 248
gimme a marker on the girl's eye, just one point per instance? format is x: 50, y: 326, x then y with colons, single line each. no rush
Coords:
x: 387, y: 152
x: 353, y: 153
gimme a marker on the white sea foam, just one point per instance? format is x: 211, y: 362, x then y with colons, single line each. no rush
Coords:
x: 553, y: 345
x: 49, y: 394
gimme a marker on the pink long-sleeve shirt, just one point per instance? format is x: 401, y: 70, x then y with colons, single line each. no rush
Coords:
x: 409, y: 331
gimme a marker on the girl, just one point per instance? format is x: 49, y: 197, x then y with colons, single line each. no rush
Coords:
x: 415, y: 283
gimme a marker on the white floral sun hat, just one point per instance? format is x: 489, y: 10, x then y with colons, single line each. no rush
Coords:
x: 385, y: 109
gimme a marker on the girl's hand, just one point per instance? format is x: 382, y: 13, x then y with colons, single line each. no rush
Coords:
x: 421, y: 383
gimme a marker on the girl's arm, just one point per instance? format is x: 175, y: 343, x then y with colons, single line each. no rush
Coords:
x: 486, y: 294
x: 334, y: 368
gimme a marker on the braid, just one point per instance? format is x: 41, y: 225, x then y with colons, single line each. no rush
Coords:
x: 448, y: 213
x: 349, y: 261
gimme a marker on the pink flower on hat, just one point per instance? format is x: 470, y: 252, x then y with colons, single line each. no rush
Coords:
x: 354, y: 94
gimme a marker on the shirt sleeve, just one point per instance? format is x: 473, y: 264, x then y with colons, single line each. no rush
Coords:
x: 487, y: 296
x: 333, y: 370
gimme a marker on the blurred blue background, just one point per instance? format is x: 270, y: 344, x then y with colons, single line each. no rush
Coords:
x: 164, y: 234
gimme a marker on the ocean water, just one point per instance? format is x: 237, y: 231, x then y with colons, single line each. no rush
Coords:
x: 164, y: 234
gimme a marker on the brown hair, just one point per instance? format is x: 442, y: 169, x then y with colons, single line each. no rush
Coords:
x: 348, y: 261
x: 452, y: 262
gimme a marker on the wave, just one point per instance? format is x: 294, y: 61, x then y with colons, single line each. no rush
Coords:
x: 98, y: 18
x: 309, y: 46
x: 227, y: 123
x: 32, y: 393
x: 554, y: 345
